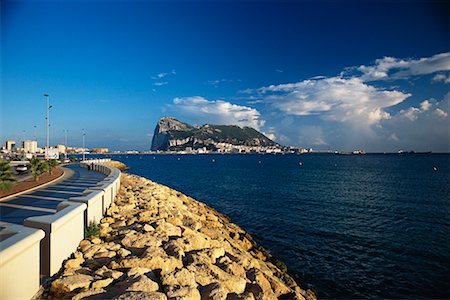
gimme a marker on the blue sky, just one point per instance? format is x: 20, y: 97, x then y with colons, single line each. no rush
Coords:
x: 321, y: 74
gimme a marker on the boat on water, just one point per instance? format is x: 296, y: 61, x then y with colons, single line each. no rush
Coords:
x: 414, y: 152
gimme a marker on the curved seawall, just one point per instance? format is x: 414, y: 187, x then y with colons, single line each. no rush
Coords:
x: 43, y: 242
x: 157, y: 243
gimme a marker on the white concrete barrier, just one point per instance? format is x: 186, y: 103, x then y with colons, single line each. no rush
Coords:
x: 109, y: 186
x: 63, y: 232
x: 94, y: 200
x: 19, y: 262
x: 45, y: 242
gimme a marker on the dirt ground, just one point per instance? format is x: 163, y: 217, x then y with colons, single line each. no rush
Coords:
x: 31, y: 182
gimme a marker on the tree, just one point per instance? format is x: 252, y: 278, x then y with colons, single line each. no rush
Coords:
x: 52, y: 163
x: 6, y: 176
x: 38, y: 167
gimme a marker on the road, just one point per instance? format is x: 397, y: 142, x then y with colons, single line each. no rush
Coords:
x: 44, y: 201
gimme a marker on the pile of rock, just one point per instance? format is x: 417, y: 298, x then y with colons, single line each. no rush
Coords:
x: 114, y: 163
x: 156, y: 243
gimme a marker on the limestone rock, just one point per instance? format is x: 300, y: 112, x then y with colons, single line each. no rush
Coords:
x: 214, y: 291
x: 96, y: 240
x: 123, y: 252
x: 141, y: 296
x: 107, y: 273
x: 181, y: 277
x: 74, y: 263
x: 70, y: 283
x: 102, y: 283
x: 86, y: 294
x: 143, y: 284
x: 183, y: 293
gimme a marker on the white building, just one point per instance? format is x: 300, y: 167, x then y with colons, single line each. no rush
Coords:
x: 29, y: 146
x: 10, y: 145
x: 61, y: 149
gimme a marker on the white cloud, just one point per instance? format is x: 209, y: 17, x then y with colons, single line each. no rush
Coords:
x: 441, y: 78
x: 271, y: 133
x: 199, y: 109
x: 429, y: 131
x: 411, y: 113
x: 335, y: 99
x: 425, y: 105
x: 394, y: 68
x: 216, y: 82
x: 160, y: 83
x: 440, y: 113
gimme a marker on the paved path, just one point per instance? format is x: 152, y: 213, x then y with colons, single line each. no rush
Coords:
x: 44, y: 201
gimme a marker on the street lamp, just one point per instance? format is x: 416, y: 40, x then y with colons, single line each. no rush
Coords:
x: 65, y: 142
x: 35, y: 133
x: 47, y: 118
x: 84, y: 134
x: 47, y: 108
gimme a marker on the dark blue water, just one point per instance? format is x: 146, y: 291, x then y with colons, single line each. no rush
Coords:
x: 372, y: 226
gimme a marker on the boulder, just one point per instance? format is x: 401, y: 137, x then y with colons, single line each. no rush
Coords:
x: 214, y: 291
x: 70, y: 283
x: 182, y: 293
x: 141, y: 296
x: 143, y: 284
x: 181, y: 277
x: 102, y: 283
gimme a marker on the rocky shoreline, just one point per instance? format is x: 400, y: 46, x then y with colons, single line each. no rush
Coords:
x: 157, y: 243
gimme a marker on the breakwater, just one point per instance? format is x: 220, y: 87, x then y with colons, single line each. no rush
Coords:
x: 157, y: 243
x: 43, y: 242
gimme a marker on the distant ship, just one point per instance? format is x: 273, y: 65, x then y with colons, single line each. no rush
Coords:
x: 413, y: 152
x: 356, y: 152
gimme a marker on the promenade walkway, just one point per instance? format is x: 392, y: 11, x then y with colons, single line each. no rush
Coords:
x: 44, y: 201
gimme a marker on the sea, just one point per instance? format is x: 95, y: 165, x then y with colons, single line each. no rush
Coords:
x: 347, y: 226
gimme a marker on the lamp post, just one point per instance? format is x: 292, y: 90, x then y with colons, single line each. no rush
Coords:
x: 35, y: 133
x: 84, y: 133
x: 47, y: 118
x: 47, y: 108
x: 65, y: 143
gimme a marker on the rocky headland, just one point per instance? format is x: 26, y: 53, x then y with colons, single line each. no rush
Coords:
x: 173, y: 135
x: 157, y: 243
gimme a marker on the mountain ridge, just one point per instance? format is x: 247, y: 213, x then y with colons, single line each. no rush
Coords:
x: 173, y: 135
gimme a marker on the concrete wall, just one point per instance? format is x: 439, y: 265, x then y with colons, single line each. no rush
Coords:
x: 63, y: 232
x: 19, y: 262
x: 41, y: 246
x: 109, y: 187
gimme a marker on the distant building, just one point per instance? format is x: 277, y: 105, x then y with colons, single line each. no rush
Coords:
x: 99, y: 150
x: 61, y: 149
x: 29, y: 146
x: 10, y: 145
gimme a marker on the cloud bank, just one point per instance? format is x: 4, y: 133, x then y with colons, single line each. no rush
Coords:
x: 333, y: 99
x: 201, y: 110
x: 394, y: 68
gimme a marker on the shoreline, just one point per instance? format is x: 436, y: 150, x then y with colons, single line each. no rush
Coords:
x: 158, y: 243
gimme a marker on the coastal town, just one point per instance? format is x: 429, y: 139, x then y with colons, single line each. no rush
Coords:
x: 29, y: 148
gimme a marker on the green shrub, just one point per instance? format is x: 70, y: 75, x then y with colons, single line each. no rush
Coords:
x: 38, y: 167
x: 91, y: 230
x: 6, y: 176
x: 52, y: 163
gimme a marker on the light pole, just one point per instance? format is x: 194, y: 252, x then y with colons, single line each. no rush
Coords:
x: 47, y: 125
x: 35, y: 133
x: 65, y: 142
x: 84, y: 133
